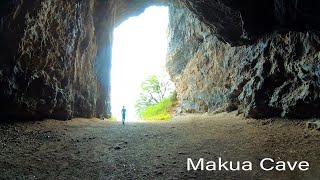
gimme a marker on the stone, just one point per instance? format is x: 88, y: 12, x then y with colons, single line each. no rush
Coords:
x: 313, y: 124
x: 277, y: 76
x: 48, y: 64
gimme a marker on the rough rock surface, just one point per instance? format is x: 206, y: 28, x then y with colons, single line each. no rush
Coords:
x: 49, y: 54
x: 279, y: 75
x: 245, y: 21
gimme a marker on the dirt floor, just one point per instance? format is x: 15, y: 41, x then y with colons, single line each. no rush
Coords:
x: 96, y: 149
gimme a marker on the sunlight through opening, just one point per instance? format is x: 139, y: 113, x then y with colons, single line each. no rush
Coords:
x: 139, y: 50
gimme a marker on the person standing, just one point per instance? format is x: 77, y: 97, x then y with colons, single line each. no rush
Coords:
x: 123, y: 111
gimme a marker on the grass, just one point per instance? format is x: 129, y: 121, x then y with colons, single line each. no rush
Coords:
x: 159, y: 111
x: 112, y: 118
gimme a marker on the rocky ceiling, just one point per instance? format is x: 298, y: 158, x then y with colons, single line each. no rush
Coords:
x: 239, y: 21
x: 243, y: 21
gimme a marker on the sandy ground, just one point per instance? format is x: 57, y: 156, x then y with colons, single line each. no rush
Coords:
x: 96, y: 149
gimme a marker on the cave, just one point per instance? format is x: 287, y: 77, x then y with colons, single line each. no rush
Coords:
x: 258, y: 59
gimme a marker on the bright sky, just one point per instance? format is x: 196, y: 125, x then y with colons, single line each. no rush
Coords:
x: 139, y: 49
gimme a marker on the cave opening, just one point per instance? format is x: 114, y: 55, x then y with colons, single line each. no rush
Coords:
x: 139, y: 50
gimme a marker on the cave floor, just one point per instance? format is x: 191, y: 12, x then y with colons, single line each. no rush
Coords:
x: 97, y: 149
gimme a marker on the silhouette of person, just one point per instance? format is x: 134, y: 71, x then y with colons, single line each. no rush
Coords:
x: 123, y: 114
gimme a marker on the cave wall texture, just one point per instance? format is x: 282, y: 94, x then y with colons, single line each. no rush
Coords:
x: 51, y: 54
x: 260, y: 57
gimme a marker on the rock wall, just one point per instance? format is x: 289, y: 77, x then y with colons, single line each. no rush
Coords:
x: 277, y: 75
x: 51, y: 52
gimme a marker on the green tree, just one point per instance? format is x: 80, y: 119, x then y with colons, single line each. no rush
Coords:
x: 153, y: 90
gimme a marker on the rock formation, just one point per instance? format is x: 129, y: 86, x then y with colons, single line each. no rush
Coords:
x: 245, y: 21
x: 50, y: 57
x: 275, y: 75
x: 260, y: 57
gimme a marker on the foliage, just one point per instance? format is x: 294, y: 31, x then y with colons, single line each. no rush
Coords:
x: 112, y: 118
x: 153, y: 91
x: 159, y: 111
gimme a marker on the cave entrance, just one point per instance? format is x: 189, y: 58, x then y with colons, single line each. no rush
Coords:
x: 139, y: 50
